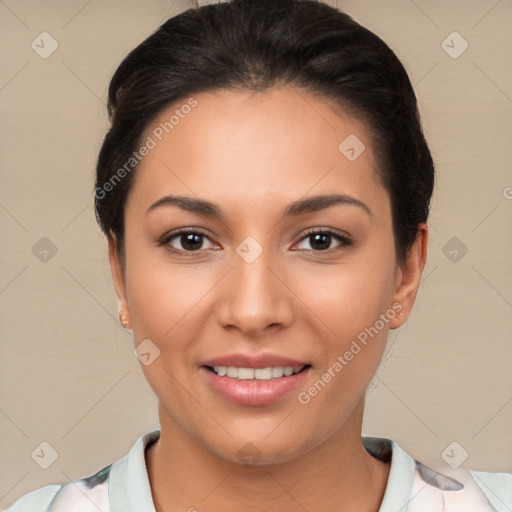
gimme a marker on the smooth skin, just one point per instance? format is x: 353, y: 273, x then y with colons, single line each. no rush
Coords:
x: 253, y: 154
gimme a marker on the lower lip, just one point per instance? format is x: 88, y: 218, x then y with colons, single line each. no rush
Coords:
x: 254, y: 392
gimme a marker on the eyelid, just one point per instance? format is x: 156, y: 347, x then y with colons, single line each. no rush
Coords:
x: 342, y: 237
x: 164, y: 240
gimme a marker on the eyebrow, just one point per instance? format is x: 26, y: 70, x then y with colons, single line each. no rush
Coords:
x: 301, y: 207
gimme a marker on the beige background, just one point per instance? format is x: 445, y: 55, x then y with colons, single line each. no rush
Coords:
x: 68, y: 373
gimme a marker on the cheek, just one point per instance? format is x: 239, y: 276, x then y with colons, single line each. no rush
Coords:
x: 163, y: 303
x: 349, y: 297
x: 162, y: 296
x: 351, y: 306
x: 350, y: 300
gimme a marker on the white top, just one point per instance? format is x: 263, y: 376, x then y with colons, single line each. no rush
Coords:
x: 412, y: 487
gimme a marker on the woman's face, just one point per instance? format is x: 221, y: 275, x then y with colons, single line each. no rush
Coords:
x: 250, y: 286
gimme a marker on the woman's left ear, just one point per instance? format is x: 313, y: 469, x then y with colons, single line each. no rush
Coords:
x: 116, y: 270
x: 408, y: 276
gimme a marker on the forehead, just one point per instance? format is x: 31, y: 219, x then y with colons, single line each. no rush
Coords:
x: 257, y: 147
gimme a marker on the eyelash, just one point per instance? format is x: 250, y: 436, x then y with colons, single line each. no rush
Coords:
x: 344, y: 241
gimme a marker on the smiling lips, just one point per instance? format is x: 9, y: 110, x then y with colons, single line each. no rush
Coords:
x: 268, y: 373
x: 254, y: 380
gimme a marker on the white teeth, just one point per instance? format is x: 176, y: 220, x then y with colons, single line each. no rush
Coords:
x: 245, y: 373
x: 271, y: 372
x: 277, y: 371
x: 232, y: 371
x: 220, y: 370
x: 262, y: 373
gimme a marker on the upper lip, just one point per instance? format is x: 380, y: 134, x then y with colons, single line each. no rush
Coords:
x: 254, y: 361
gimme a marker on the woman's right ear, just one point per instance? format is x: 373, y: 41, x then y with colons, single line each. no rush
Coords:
x: 117, y: 271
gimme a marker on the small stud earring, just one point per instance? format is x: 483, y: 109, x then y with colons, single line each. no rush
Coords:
x: 123, y: 319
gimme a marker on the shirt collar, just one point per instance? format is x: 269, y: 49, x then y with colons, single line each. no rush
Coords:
x: 401, y: 473
x: 129, y: 488
x: 130, y: 491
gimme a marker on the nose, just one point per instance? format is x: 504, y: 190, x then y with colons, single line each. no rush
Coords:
x: 255, y: 296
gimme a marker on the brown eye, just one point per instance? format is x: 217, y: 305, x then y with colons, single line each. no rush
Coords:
x: 185, y: 241
x: 191, y: 241
x: 321, y: 240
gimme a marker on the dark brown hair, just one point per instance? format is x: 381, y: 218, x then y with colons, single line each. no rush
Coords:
x: 254, y: 45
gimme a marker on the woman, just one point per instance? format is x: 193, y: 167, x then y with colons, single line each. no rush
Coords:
x: 265, y: 189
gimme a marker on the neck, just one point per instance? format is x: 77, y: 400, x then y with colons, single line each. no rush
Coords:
x: 337, y: 475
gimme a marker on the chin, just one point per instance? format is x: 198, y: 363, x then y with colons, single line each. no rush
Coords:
x: 259, y: 451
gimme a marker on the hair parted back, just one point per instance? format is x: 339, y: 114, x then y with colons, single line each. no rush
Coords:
x: 253, y: 45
